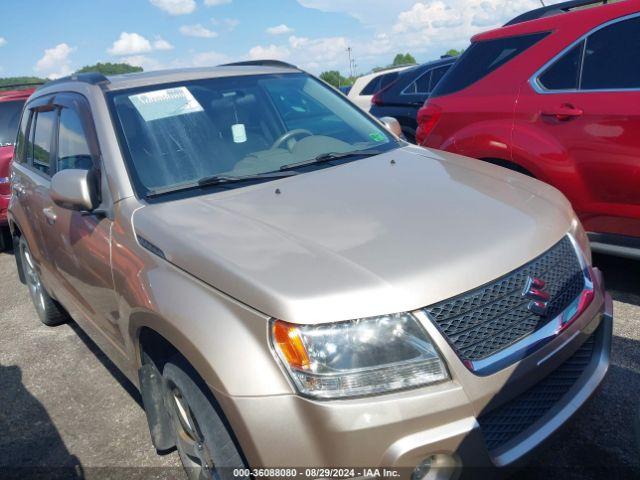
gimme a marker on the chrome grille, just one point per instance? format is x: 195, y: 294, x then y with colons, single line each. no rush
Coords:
x: 484, y: 321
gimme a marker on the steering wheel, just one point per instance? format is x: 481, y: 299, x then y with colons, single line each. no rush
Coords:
x: 285, y: 137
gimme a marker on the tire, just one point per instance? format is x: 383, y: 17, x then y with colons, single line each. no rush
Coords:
x: 200, y: 432
x: 49, y: 311
x: 6, y: 242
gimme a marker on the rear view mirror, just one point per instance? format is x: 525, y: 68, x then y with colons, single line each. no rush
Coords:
x: 75, y: 190
x: 393, y: 126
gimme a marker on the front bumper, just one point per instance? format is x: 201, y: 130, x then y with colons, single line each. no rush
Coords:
x: 449, y: 420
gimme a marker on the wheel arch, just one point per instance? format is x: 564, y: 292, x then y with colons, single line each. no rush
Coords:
x: 154, y: 351
x: 509, y: 165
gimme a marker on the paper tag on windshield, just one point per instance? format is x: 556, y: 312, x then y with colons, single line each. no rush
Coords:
x: 239, y: 133
x: 165, y: 103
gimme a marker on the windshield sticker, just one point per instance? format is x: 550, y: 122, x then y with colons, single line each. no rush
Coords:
x: 166, y: 103
x: 377, y: 137
x: 239, y: 133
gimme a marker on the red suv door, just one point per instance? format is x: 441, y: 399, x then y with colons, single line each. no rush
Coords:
x: 577, y: 121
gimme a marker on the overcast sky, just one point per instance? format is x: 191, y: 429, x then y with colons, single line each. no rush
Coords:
x: 55, y: 37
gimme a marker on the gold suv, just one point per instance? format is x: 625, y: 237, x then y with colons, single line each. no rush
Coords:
x: 293, y: 287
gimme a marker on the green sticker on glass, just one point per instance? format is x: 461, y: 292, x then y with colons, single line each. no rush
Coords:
x: 377, y: 137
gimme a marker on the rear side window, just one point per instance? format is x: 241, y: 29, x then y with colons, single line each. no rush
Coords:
x: 39, y: 148
x: 73, y: 147
x: 606, y: 60
x: 564, y: 74
x: 419, y: 85
x: 482, y: 58
x: 612, y: 55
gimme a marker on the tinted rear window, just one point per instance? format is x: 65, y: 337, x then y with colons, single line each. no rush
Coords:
x: 482, y: 58
x: 9, y: 118
x: 565, y: 73
x: 378, y: 83
x: 388, y: 78
x: 372, y: 87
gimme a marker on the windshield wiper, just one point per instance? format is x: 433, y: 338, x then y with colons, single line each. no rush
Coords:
x: 217, y: 180
x: 327, y: 157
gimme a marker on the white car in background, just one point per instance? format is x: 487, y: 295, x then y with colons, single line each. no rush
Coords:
x: 367, y: 85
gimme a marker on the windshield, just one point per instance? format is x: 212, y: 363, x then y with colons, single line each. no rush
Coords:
x: 9, y: 118
x: 237, y: 127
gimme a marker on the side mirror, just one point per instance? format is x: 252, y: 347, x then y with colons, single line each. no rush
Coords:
x: 75, y: 190
x: 392, y: 125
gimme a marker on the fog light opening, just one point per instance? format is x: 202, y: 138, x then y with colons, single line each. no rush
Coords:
x: 436, y: 467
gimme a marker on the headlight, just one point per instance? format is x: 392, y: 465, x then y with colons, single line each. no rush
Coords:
x: 358, y: 357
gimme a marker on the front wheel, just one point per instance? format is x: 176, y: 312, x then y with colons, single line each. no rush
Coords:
x: 49, y: 311
x: 205, y: 446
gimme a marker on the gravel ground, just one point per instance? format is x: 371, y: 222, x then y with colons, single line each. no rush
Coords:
x: 63, y: 404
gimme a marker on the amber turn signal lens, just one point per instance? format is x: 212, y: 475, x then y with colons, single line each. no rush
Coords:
x: 288, y: 340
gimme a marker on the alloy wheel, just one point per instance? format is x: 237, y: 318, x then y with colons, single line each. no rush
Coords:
x: 33, y: 282
x: 195, y: 452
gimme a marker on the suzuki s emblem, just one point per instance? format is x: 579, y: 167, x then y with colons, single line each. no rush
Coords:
x: 534, y: 291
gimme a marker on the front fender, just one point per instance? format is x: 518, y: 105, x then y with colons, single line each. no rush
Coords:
x: 224, y: 340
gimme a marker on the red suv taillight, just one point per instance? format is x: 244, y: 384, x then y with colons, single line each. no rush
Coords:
x: 428, y: 116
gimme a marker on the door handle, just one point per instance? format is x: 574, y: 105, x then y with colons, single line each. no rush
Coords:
x: 564, y: 112
x: 50, y: 215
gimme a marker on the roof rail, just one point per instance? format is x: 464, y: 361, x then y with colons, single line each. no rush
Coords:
x: 549, y: 10
x: 92, y: 78
x: 260, y: 63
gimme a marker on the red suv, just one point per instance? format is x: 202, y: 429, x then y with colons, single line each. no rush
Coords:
x: 11, y: 103
x: 554, y: 94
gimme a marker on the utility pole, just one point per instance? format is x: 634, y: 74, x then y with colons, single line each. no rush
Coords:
x: 349, y: 50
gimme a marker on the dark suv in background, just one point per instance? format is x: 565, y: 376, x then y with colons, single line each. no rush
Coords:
x: 11, y: 104
x: 403, y: 97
